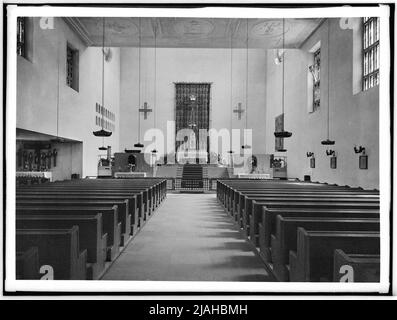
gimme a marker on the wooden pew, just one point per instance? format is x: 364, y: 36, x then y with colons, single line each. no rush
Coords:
x: 257, y: 208
x: 229, y: 188
x: 248, y: 202
x: 238, y: 195
x: 156, y: 187
x: 239, y: 203
x: 27, y: 264
x: 138, y: 198
x: 314, y: 258
x: 58, y: 248
x: 137, y: 217
x: 110, y: 224
x: 268, y: 225
x: 141, y: 193
x: 142, y: 201
x: 361, y: 267
x: 285, y: 238
x: 122, y: 205
x: 128, y: 202
x: 90, y: 235
x: 229, y: 191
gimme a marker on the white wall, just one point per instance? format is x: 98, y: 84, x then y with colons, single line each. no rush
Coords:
x: 37, y: 91
x: 354, y: 118
x: 191, y: 65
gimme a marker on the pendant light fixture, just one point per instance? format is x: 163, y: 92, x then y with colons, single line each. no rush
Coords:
x: 283, y: 133
x: 154, y: 151
x: 103, y: 133
x: 139, y: 144
x: 328, y: 142
x: 246, y: 146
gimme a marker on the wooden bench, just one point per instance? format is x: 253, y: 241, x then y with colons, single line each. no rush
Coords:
x: 239, y: 203
x: 123, y: 215
x: 155, y: 186
x: 124, y: 205
x: 268, y: 225
x: 110, y: 224
x: 238, y: 195
x: 228, y: 189
x: 149, y: 194
x: 137, y: 217
x: 245, y: 207
x: 58, y: 248
x: 90, y: 235
x: 231, y: 193
x: 137, y: 200
x: 256, y: 217
x: 314, y: 259
x: 285, y: 238
x: 362, y: 267
x: 27, y: 264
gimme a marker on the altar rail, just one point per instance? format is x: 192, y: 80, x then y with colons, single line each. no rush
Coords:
x: 254, y: 176
x: 209, y: 184
x: 32, y: 177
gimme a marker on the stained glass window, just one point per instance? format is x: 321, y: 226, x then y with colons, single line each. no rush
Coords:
x: 315, y: 71
x: 370, y: 52
x: 72, y: 67
x: 21, y: 39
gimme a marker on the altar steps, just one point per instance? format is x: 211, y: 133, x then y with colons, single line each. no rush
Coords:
x: 192, y: 178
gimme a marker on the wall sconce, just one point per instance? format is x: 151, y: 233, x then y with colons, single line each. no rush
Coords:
x: 363, y: 158
x: 360, y: 149
x: 312, y: 159
x: 330, y: 152
x: 332, y: 159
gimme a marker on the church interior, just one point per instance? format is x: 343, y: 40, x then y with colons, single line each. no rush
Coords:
x: 198, y: 149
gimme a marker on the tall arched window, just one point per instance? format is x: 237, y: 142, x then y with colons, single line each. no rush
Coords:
x: 370, y: 52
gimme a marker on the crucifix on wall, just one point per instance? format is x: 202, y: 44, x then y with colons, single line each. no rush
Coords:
x: 239, y: 110
x: 145, y: 110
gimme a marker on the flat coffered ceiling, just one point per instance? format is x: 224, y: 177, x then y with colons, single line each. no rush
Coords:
x: 193, y: 32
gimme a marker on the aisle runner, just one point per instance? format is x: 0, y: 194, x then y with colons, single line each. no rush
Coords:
x: 190, y: 237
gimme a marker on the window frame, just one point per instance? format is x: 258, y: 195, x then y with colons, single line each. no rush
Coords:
x: 314, y: 68
x: 317, y: 84
x: 21, y: 49
x: 370, y: 46
x: 75, y: 67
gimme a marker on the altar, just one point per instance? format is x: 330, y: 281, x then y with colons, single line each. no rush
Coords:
x: 192, y: 156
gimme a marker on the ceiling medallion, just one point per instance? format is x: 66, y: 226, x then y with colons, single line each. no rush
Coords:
x: 269, y: 28
x: 193, y: 27
x: 119, y: 26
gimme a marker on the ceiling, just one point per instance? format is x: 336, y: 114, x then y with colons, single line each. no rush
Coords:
x: 193, y: 32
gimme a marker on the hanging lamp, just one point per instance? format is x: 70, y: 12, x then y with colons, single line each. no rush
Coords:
x: 154, y: 151
x: 139, y: 144
x: 283, y: 133
x: 103, y: 133
x: 246, y: 146
x: 328, y: 142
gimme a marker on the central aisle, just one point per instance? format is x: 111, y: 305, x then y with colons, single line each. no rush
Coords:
x: 190, y: 237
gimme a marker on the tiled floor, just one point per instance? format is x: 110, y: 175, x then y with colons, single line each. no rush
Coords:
x: 190, y: 237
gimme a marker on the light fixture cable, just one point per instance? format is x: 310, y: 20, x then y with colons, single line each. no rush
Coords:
x: 139, y: 80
